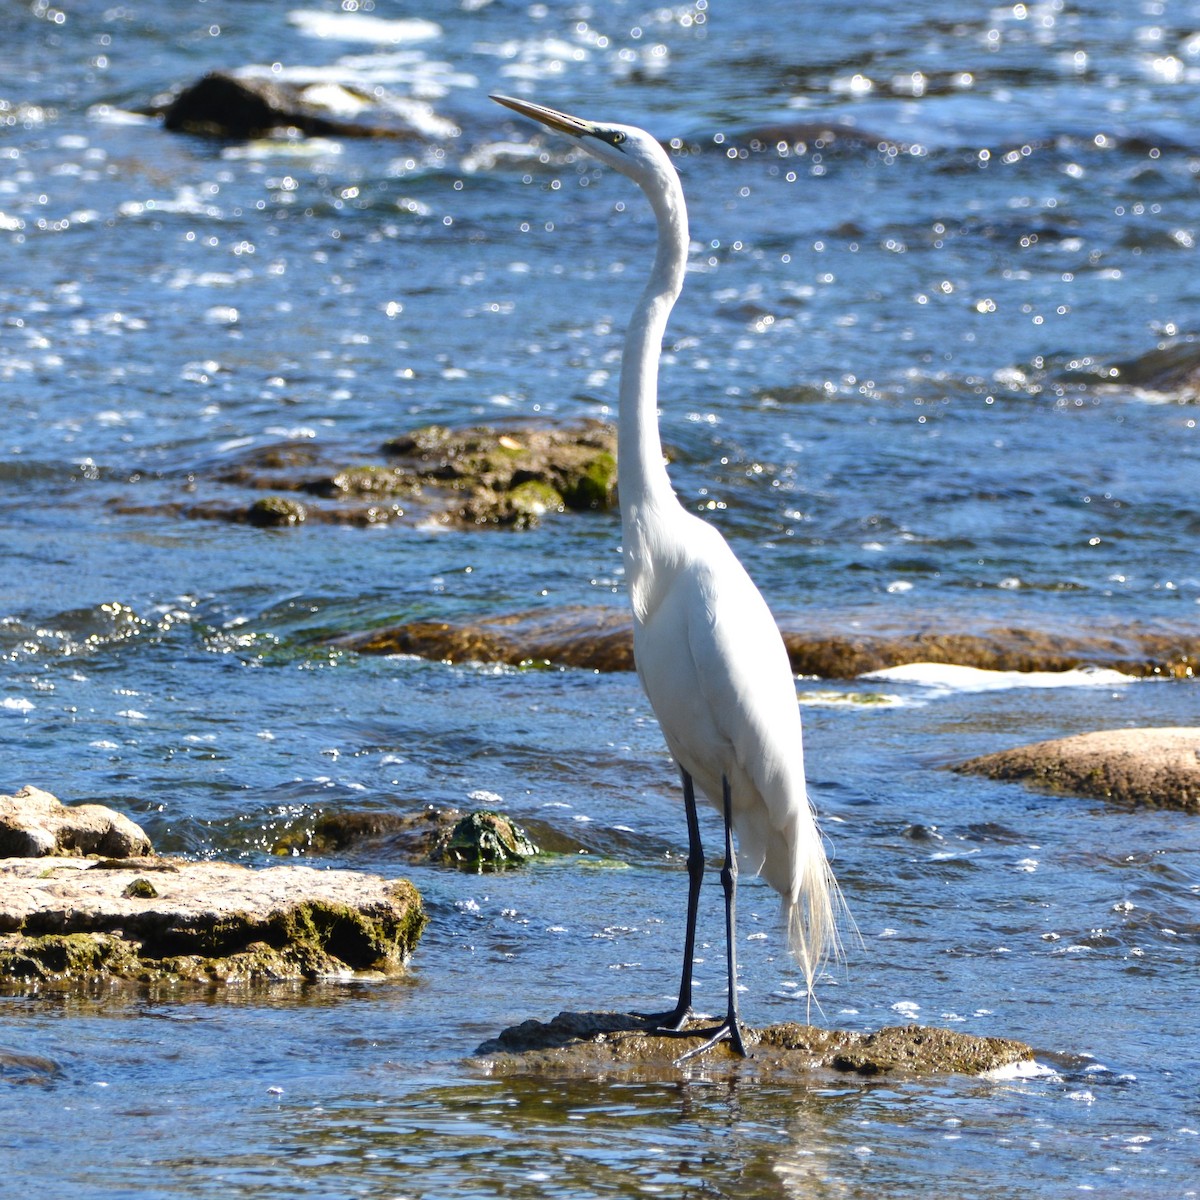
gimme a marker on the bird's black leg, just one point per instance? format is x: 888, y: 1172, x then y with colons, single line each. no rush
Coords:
x: 730, y: 1029
x: 677, y: 1017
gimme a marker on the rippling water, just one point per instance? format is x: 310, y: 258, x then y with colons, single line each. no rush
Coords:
x: 884, y: 381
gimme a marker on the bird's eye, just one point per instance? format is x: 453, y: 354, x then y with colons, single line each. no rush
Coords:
x: 617, y: 139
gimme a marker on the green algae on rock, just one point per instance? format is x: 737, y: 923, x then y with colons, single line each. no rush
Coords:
x: 1142, y: 768
x: 610, y: 1043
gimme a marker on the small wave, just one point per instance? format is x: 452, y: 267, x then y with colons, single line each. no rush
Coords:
x: 358, y: 27
x: 1025, y: 1069
x: 948, y: 677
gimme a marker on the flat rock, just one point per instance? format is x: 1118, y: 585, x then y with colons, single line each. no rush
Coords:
x: 601, y: 639
x: 34, y: 823
x: 1150, y: 768
x: 79, y: 920
x: 594, y: 1043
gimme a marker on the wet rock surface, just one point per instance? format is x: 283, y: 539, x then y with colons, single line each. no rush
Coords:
x: 69, y: 920
x: 601, y: 639
x: 1151, y: 768
x: 508, y: 476
x: 589, y: 1043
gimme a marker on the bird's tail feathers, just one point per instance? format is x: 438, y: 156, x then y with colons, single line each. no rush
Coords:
x: 812, y: 913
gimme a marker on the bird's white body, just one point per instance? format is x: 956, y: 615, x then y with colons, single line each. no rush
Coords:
x: 708, y: 651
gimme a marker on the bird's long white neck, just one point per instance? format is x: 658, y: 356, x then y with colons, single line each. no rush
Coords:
x: 645, y: 490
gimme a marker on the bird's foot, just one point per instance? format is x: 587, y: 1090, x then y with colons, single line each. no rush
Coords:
x: 728, y: 1031
x: 666, y: 1022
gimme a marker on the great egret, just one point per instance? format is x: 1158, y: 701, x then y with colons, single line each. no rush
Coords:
x: 708, y: 651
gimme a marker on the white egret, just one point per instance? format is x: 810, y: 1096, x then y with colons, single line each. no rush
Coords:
x: 707, y: 650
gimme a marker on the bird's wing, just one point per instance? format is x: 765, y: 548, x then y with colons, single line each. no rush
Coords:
x: 733, y: 694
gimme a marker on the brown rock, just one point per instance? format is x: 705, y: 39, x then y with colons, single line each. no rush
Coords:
x: 1152, y: 768
x: 604, y: 1043
x: 33, y: 824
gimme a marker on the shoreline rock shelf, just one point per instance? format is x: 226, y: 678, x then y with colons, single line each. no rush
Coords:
x: 71, y: 920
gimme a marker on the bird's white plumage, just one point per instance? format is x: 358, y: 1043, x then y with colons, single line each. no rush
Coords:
x: 708, y: 651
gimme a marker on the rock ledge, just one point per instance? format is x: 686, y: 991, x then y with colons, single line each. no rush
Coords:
x: 71, y: 920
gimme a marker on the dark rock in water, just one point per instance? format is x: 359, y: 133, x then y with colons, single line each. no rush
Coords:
x: 1148, y: 768
x: 484, y: 841
x: 609, y: 1043
x: 514, y: 476
x: 34, y: 823
x: 601, y: 639
x: 80, y: 921
x: 225, y: 105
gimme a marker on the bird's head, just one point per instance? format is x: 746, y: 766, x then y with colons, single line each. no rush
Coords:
x: 630, y: 150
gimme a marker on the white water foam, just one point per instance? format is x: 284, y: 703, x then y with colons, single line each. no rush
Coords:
x: 947, y: 677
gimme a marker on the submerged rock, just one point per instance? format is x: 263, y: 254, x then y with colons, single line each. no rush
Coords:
x: 81, y: 921
x: 601, y: 639
x: 604, y: 1043
x: 34, y: 823
x: 1150, y: 768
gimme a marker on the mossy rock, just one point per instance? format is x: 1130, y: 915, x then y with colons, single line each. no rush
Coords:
x: 275, y: 511
x: 484, y: 841
x: 595, y: 486
x: 532, y: 499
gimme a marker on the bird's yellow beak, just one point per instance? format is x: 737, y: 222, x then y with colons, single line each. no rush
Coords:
x: 559, y: 121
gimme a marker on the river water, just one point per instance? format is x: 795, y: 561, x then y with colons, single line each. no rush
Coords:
x: 872, y: 384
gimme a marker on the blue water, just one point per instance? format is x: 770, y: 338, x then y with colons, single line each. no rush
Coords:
x: 867, y: 385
